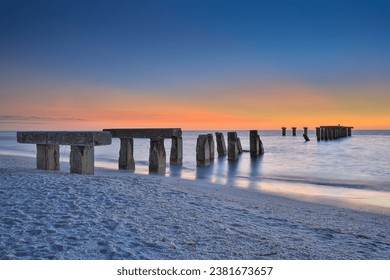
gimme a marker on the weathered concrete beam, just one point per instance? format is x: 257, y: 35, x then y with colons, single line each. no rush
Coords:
x: 221, y: 146
x: 306, y: 137
x: 82, y: 159
x: 157, y: 156
x: 78, y: 138
x: 144, y: 132
x: 48, y: 157
x: 210, y: 139
x: 202, y: 151
x: 126, y: 154
x: 232, y: 146
x: 176, y: 157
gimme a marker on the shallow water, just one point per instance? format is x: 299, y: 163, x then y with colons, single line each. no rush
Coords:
x: 354, y: 169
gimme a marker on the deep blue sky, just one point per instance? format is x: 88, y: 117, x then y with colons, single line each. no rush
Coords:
x: 194, y: 64
x: 179, y: 44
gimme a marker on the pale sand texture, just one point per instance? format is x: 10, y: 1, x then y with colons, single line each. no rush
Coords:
x: 119, y: 215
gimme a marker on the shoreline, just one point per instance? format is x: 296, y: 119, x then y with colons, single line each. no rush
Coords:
x: 60, y: 215
x: 332, y: 193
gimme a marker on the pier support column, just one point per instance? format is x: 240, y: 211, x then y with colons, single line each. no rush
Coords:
x: 254, y: 144
x: 221, y: 146
x: 82, y: 159
x: 294, y: 131
x: 202, y: 151
x: 176, y: 157
x: 126, y: 154
x: 48, y: 157
x: 157, y: 156
x: 284, y: 131
x: 318, y: 133
x: 349, y: 131
x: 232, y: 146
x: 261, y: 145
x: 210, y: 139
x: 239, y: 146
x: 305, y: 134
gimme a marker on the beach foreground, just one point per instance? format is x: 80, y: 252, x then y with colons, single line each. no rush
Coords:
x: 119, y: 215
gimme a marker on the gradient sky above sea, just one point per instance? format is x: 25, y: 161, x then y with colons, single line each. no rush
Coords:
x: 194, y: 64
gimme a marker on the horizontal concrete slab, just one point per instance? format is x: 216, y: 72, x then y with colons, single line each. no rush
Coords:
x: 144, y: 132
x: 77, y: 138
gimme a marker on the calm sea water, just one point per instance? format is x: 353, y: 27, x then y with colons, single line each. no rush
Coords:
x: 352, y: 167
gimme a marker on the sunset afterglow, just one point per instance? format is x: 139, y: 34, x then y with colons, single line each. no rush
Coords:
x: 194, y: 65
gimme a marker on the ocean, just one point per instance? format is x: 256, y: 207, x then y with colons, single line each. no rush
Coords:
x: 352, y: 169
x: 229, y: 210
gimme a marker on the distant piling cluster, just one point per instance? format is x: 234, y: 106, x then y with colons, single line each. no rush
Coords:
x: 294, y: 132
x: 333, y: 132
x: 205, y: 147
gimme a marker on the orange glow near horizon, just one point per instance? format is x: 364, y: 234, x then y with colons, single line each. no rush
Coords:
x: 242, y: 107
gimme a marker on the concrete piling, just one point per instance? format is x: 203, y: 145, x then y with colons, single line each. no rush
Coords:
x: 221, y: 146
x: 48, y: 157
x: 232, y: 146
x: 82, y: 159
x: 284, y: 131
x: 261, y: 145
x: 126, y: 154
x: 176, y: 156
x: 305, y: 130
x: 254, y: 143
x: 202, y: 151
x: 294, y: 131
x: 239, y: 146
x: 157, y: 156
x: 306, y: 137
x: 210, y: 139
x: 318, y: 133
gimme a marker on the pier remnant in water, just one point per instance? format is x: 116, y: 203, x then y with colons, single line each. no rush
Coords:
x: 202, y: 151
x: 210, y: 138
x: 156, y: 151
x: 255, y: 144
x: 221, y: 146
x: 232, y: 146
x: 284, y: 131
x: 294, y: 131
x: 239, y: 146
x: 157, y: 156
x: 81, y: 152
x: 333, y: 132
x: 305, y: 134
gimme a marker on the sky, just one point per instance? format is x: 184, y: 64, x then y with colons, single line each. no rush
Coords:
x: 216, y: 64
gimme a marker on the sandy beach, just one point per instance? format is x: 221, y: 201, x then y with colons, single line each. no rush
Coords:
x: 120, y: 215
